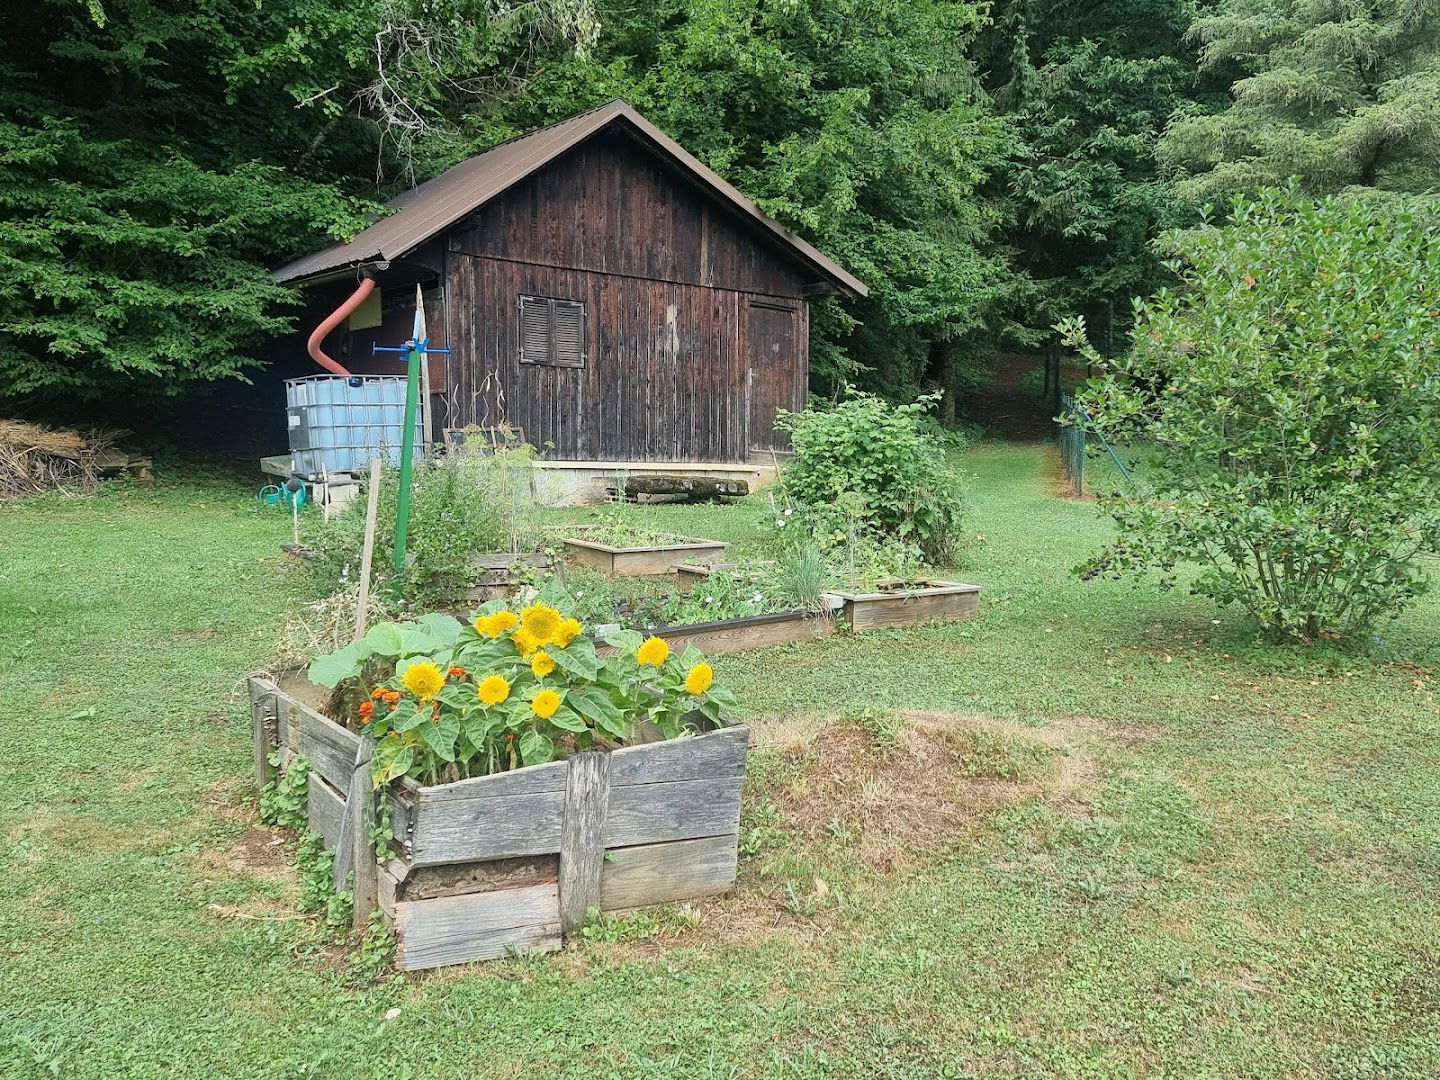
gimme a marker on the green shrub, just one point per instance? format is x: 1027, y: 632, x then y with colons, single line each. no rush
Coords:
x: 866, y: 462
x: 1290, y: 387
x: 459, y: 507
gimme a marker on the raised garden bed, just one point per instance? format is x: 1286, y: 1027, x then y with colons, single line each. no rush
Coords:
x: 497, y: 573
x: 908, y: 604
x: 512, y: 862
x: 642, y: 561
x: 748, y: 632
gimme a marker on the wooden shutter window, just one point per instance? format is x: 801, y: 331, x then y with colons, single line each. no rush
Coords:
x: 552, y: 331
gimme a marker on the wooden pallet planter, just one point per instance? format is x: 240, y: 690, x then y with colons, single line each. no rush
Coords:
x: 909, y: 605
x: 495, y: 573
x: 487, y: 867
x: 651, y: 561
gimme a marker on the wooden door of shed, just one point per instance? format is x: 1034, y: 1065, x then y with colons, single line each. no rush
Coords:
x: 779, y: 374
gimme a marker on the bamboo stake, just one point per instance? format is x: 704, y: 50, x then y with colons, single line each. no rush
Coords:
x: 367, y: 551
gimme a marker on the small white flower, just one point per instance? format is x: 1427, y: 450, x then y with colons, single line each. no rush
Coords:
x: 709, y: 599
x: 391, y: 1014
x: 789, y: 510
x: 756, y: 598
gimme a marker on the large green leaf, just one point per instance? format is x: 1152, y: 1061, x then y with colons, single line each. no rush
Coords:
x: 443, y: 628
x: 440, y: 736
x: 535, y: 749
x: 578, y: 659
x: 625, y: 640
x: 332, y: 669
x: 596, y: 706
x: 567, y: 720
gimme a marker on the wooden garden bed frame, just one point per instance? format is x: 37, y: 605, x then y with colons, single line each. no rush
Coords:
x: 748, y: 632
x: 649, y: 561
x: 512, y: 862
x: 494, y: 569
x: 909, y: 605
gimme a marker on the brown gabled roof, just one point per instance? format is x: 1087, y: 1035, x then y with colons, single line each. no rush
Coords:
x: 428, y: 209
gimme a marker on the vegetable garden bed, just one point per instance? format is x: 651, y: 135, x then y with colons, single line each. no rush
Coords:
x: 909, y: 604
x: 513, y: 861
x: 642, y: 561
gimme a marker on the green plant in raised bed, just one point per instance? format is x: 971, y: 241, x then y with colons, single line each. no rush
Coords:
x: 612, y: 527
x: 893, y: 476
x: 510, y: 690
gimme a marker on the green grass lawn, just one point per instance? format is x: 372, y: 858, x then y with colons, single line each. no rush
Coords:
x: 1158, y: 848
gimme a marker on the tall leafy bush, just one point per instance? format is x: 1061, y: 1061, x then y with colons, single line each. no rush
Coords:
x: 1291, y: 388
x: 876, y: 463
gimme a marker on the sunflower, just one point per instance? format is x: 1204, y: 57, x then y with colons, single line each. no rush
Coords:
x: 525, y: 642
x: 569, y: 630
x: 493, y: 690
x: 654, y: 652
x: 545, y: 704
x: 699, y: 679
x: 540, y: 621
x: 492, y: 626
x: 542, y: 663
x: 424, y: 680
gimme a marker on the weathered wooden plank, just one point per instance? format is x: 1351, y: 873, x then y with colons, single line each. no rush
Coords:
x: 329, y: 747
x: 386, y: 887
x: 874, y: 611
x: 751, y: 632
x: 702, y: 757
x: 360, y: 806
x: 551, y: 776
x: 325, y: 808
x: 653, y: 813
x: 659, y: 873
x: 263, y: 728
x: 472, y: 830
x: 641, y: 561
x: 480, y: 926
x: 587, y: 794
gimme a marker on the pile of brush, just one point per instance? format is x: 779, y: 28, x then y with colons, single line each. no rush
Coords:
x: 35, y: 459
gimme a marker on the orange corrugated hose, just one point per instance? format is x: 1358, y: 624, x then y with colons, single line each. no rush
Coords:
x: 336, y: 317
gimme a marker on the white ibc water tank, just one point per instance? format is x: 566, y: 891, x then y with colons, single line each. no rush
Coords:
x: 336, y: 427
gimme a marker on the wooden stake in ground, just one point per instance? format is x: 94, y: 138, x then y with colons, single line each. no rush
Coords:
x: 372, y: 508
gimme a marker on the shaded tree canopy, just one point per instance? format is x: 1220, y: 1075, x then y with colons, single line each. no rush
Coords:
x: 1338, y: 94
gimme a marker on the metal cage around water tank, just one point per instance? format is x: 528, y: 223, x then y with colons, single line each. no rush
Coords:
x: 336, y: 427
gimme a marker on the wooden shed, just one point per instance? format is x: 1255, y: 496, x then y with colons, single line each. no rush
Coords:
x: 600, y: 289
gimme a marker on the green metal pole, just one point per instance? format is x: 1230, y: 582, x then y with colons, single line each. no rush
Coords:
x: 407, y: 461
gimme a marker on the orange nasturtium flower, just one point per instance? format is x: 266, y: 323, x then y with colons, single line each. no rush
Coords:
x: 699, y: 679
x: 424, y: 680
x: 493, y: 689
x: 367, y: 710
x: 545, y: 704
x: 378, y: 693
x: 653, y: 651
x: 455, y: 672
x: 542, y: 664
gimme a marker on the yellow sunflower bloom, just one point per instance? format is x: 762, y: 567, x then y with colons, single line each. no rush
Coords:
x: 540, y: 621
x: 569, y: 630
x: 699, y: 679
x: 542, y: 664
x: 492, y: 626
x: 653, y: 651
x: 493, y: 689
x: 525, y: 642
x: 424, y: 680
x: 545, y: 704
